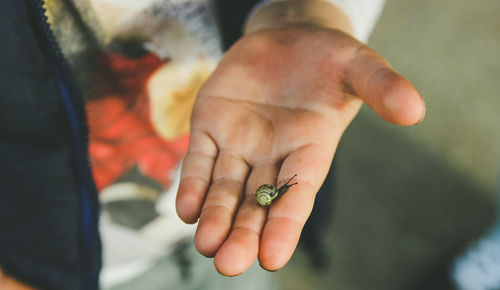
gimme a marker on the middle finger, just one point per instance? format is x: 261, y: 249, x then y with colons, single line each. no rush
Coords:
x: 222, y: 200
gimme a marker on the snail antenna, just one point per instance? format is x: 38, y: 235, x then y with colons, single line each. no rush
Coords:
x: 286, y: 183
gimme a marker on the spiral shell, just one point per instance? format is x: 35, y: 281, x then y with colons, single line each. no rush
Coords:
x: 265, y: 194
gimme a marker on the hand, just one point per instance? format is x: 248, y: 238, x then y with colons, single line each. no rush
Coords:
x: 276, y: 106
x: 9, y: 283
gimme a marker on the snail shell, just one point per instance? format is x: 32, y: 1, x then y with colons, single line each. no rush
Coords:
x: 265, y: 194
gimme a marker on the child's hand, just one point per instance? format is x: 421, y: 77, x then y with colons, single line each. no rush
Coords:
x: 277, y: 106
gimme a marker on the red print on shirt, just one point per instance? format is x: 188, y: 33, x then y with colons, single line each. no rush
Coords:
x: 121, y: 133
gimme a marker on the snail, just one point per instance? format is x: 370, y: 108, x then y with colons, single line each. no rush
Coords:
x: 266, y: 193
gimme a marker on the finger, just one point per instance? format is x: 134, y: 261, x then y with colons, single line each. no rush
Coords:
x: 287, y: 216
x: 393, y: 97
x: 222, y: 200
x: 240, y: 249
x: 196, y: 174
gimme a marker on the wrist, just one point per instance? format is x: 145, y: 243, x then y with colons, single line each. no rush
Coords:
x: 284, y: 13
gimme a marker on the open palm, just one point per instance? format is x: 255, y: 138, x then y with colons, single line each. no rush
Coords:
x: 276, y: 106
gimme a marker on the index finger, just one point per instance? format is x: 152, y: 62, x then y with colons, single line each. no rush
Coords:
x: 288, y: 215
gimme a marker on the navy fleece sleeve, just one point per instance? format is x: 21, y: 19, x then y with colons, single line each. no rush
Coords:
x: 231, y: 16
x: 39, y: 205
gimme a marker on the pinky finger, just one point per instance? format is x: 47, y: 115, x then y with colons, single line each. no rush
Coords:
x: 196, y: 174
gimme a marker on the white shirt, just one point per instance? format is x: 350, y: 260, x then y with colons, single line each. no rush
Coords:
x: 362, y: 13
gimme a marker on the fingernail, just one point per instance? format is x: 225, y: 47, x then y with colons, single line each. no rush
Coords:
x: 423, y: 116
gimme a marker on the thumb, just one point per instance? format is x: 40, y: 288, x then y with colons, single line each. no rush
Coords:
x: 390, y: 95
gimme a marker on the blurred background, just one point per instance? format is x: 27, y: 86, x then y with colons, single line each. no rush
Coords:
x: 408, y: 200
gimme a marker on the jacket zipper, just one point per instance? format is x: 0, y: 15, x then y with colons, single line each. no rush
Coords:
x: 90, y: 248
